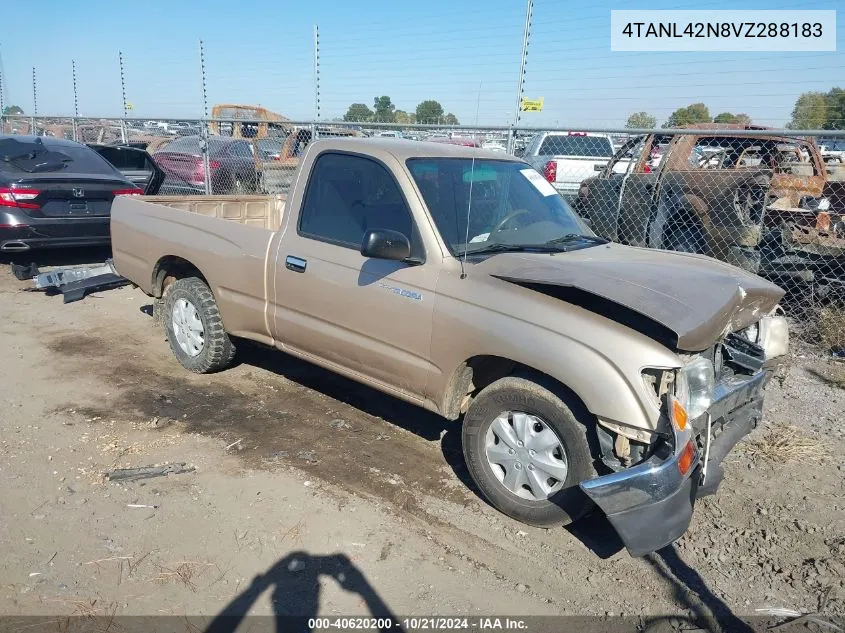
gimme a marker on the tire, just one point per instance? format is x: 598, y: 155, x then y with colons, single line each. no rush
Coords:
x: 565, y: 502
x: 189, y: 305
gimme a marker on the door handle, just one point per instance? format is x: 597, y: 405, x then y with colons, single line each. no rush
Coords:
x: 296, y: 264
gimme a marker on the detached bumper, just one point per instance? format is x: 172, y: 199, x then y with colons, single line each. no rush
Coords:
x: 650, y: 505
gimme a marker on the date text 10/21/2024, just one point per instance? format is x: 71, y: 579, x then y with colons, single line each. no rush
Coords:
x: 421, y: 623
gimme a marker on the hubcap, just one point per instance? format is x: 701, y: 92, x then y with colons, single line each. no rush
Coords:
x: 187, y: 327
x: 526, y: 455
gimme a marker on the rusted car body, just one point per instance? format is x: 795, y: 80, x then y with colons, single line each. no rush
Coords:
x: 764, y: 203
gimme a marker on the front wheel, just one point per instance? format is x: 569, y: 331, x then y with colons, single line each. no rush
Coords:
x: 194, y: 327
x: 527, y: 452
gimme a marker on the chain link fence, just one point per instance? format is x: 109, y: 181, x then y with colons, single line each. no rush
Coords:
x: 770, y: 203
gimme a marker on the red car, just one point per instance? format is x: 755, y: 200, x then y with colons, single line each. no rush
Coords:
x: 231, y: 165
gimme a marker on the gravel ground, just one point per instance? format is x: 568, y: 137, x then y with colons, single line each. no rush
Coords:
x: 337, y: 500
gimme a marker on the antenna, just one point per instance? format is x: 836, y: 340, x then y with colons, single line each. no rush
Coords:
x: 471, y: 182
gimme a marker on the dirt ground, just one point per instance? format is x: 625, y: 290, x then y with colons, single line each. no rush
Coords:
x: 313, y: 495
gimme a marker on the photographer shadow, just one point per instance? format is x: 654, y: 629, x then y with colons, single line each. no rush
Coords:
x: 295, y: 582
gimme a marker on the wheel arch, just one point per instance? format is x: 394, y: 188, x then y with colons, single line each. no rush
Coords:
x: 170, y: 268
x: 477, y: 372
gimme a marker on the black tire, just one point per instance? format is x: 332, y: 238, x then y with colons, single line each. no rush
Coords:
x: 217, y: 351
x: 528, y: 394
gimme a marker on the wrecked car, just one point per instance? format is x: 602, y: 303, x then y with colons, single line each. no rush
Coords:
x: 458, y: 279
x: 762, y: 202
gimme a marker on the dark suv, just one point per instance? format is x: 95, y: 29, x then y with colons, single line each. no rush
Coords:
x: 57, y: 193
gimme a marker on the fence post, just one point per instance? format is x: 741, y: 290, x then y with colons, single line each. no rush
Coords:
x: 511, y: 141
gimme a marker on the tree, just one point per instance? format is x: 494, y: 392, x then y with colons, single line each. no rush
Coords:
x: 358, y: 112
x: 400, y: 116
x: 384, y: 108
x: 13, y: 109
x: 695, y: 113
x: 727, y: 117
x: 641, y: 120
x: 810, y: 112
x: 429, y: 111
x: 450, y: 119
x: 835, y: 109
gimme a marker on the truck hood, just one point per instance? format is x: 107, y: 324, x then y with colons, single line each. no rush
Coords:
x: 696, y: 298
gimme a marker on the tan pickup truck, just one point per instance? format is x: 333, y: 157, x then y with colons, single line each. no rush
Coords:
x: 583, y: 372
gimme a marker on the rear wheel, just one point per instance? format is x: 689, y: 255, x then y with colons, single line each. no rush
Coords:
x: 527, y: 452
x: 194, y: 327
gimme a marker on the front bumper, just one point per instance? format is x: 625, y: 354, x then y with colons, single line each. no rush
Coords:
x: 650, y: 505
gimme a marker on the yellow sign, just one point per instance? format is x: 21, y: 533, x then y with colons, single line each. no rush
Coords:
x: 129, y: 106
x: 532, y: 105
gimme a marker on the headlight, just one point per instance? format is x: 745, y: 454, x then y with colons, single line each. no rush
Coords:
x: 774, y: 335
x: 696, y: 381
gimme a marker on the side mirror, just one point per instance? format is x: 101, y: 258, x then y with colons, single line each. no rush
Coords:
x: 385, y: 244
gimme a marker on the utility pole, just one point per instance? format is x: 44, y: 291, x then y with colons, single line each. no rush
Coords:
x: 34, y: 94
x: 204, y: 126
x: 123, y: 94
x: 520, y: 86
x: 316, y: 81
x: 75, y: 99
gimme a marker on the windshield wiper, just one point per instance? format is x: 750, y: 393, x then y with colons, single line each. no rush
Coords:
x: 577, y: 237
x: 516, y: 248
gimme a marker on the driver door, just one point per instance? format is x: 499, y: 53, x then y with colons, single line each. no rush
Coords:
x: 331, y: 304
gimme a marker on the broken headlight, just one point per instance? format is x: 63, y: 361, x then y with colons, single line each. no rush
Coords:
x: 774, y: 335
x: 694, y: 389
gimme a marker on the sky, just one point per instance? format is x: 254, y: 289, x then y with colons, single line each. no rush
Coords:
x: 464, y: 54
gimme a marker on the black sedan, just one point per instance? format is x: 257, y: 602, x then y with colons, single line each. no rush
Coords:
x: 58, y: 193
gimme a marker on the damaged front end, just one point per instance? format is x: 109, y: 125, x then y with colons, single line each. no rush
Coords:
x: 706, y: 407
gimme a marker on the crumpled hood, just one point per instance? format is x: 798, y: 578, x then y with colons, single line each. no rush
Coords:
x: 697, y: 298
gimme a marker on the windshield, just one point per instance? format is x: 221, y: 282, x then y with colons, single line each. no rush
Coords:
x: 512, y: 204
x: 576, y: 145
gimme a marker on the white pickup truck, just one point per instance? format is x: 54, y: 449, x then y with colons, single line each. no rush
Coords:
x: 566, y: 159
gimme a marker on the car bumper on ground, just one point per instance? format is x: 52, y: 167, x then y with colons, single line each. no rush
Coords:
x: 650, y: 505
x: 23, y: 234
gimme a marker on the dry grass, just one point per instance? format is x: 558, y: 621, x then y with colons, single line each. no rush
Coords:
x: 832, y: 326
x: 785, y: 443
x: 182, y: 572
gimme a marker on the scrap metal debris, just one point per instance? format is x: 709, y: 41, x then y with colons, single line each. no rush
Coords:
x: 146, y: 472
x: 73, y: 282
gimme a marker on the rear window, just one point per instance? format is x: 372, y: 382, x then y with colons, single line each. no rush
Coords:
x: 69, y: 158
x: 591, y: 146
x: 124, y: 158
x: 191, y: 145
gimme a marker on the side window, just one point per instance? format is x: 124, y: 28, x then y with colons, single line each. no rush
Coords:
x: 349, y: 195
x: 241, y: 150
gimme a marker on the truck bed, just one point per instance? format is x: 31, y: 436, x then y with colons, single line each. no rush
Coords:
x: 231, y: 255
x: 260, y: 211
